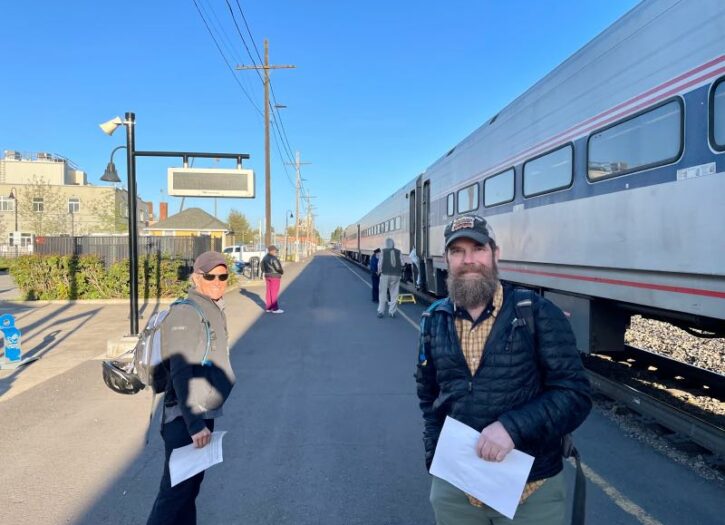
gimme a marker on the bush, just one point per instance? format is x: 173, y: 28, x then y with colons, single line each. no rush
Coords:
x: 86, y: 277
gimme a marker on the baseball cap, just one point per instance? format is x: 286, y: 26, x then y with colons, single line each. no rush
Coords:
x: 470, y: 227
x: 207, y: 261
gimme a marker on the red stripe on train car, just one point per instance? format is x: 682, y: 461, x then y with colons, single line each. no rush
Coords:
x: 619, y: 282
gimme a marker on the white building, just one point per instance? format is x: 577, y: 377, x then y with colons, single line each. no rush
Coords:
x: 46, y: 194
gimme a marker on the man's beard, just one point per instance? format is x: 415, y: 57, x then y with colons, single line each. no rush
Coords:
x: 474, y: 285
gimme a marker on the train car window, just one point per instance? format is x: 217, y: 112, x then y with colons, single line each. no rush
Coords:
x: 646, y: 140
x: 549, y: 172
x: 451, y: 206
x: 499, y: 188
x: 717, y: 115
x: 468, y: 198
x: 398, y: 221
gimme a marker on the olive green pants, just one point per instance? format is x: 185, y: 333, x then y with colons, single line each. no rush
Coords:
x: 546, y: 506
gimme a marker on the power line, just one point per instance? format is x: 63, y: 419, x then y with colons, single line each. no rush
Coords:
x: 249, y: 31
x: 275, y: 109
x: 241, y: 36
x: 231, y: 69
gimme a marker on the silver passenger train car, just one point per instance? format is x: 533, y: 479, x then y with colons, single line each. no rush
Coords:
x: 604, y: 182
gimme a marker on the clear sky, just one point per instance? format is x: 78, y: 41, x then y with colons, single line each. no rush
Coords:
x: 381, y: 89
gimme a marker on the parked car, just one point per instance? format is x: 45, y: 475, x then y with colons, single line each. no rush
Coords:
x: 242, y: 254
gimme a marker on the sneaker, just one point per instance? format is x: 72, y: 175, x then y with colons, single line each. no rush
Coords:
x: 277, y: 311
x: 380, y: 316
x: 269, y: 311
x: 392, y: 316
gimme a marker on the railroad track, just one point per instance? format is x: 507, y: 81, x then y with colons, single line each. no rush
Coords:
x: 708, y: 436
x: 687, y: 376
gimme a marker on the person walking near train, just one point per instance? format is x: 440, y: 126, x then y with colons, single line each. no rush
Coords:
x: 503, y: 361
x: 374, y: 275
x: 390, y: 267
x: 272, y: 270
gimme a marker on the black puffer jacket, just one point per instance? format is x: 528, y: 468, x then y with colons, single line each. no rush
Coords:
x: 538, y: 394
x: 271, y: 267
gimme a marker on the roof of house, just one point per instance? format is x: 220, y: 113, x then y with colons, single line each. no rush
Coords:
x: 190, y: 219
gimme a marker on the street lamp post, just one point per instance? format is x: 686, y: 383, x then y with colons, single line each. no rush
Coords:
x: 14, y: 196
x: 110, y: 175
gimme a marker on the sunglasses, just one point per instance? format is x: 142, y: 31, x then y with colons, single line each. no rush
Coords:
x: 210, y: 276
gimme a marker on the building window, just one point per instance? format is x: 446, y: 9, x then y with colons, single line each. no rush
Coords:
x: 7, y: 204
x: 468, y: 198
x: 647, y: 140
x: 499, y: 188
x: 450, y: 205
x: 717, y: 105
x: 74, y: 205
x: 38, y: 205
x: 551, y: 171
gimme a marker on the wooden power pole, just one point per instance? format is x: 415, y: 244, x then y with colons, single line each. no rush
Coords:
x: 267, y: 175
x: 298, y: 185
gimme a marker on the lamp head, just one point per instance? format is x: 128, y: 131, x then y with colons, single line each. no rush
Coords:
x: 110, y: 126
x: 12, y: 194
x: 110, y: 175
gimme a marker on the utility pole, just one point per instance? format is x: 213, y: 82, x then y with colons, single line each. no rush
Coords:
x: 267, y: 170
x: 308, y: 221
x: 298, y: 184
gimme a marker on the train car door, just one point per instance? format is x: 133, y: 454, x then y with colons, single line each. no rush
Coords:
x: 425, y: 222
x: 412, y: 220
x: 359, y: 254
x: 426, y: 263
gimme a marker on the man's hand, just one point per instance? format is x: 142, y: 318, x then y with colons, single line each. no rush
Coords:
x: 201, y: 438
x: 494, y: 443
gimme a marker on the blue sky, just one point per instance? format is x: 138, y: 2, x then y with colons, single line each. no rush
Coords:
x: 381, y: 89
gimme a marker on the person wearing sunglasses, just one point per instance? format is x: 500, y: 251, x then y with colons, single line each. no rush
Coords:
x: 272, y: 270
x: 194, y: 338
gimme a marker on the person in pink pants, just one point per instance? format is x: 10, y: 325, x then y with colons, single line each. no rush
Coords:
x: 272, y: 270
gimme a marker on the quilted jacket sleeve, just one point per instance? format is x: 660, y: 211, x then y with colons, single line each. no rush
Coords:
x: 565, y: 401
x: 427, y: 394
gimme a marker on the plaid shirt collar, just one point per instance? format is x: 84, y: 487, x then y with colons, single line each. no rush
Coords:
x: 492, y: 309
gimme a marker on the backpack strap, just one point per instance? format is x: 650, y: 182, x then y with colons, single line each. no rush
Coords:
x: 207, y: 326
x: 525, y: 314
x: 425, y: 320
x: 525, y: 310
x: 204, y: 362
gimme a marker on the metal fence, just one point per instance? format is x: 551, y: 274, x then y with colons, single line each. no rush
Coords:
x: 112, y: 249
x: 15, y: 250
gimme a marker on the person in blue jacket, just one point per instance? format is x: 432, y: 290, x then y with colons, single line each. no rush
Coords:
x: 374, y: 275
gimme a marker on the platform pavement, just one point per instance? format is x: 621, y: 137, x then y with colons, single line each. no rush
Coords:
x: 323, y: 428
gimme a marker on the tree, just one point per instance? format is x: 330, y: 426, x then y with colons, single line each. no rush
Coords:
x: 108, y: 214
x: 336, y: 235
x: 239, y: 224
x: 41, y: 207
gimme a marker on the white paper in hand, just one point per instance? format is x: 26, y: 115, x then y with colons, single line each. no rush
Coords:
x: 498, y: 485
x: 188, y: 461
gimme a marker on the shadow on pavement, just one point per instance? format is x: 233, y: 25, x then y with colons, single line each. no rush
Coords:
x: 323, y: 421
x: 256, y: 298
x: 48, y: 343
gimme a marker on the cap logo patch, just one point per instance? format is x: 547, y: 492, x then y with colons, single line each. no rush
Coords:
x: 462, y: 223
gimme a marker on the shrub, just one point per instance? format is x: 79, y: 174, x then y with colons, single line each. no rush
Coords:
x: 86, y: 277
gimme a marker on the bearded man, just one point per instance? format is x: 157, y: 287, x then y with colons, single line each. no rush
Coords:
x: 521, y: 387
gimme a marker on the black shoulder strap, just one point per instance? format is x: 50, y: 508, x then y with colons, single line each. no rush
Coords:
x: 425, y: 321
x: 525, y: 311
